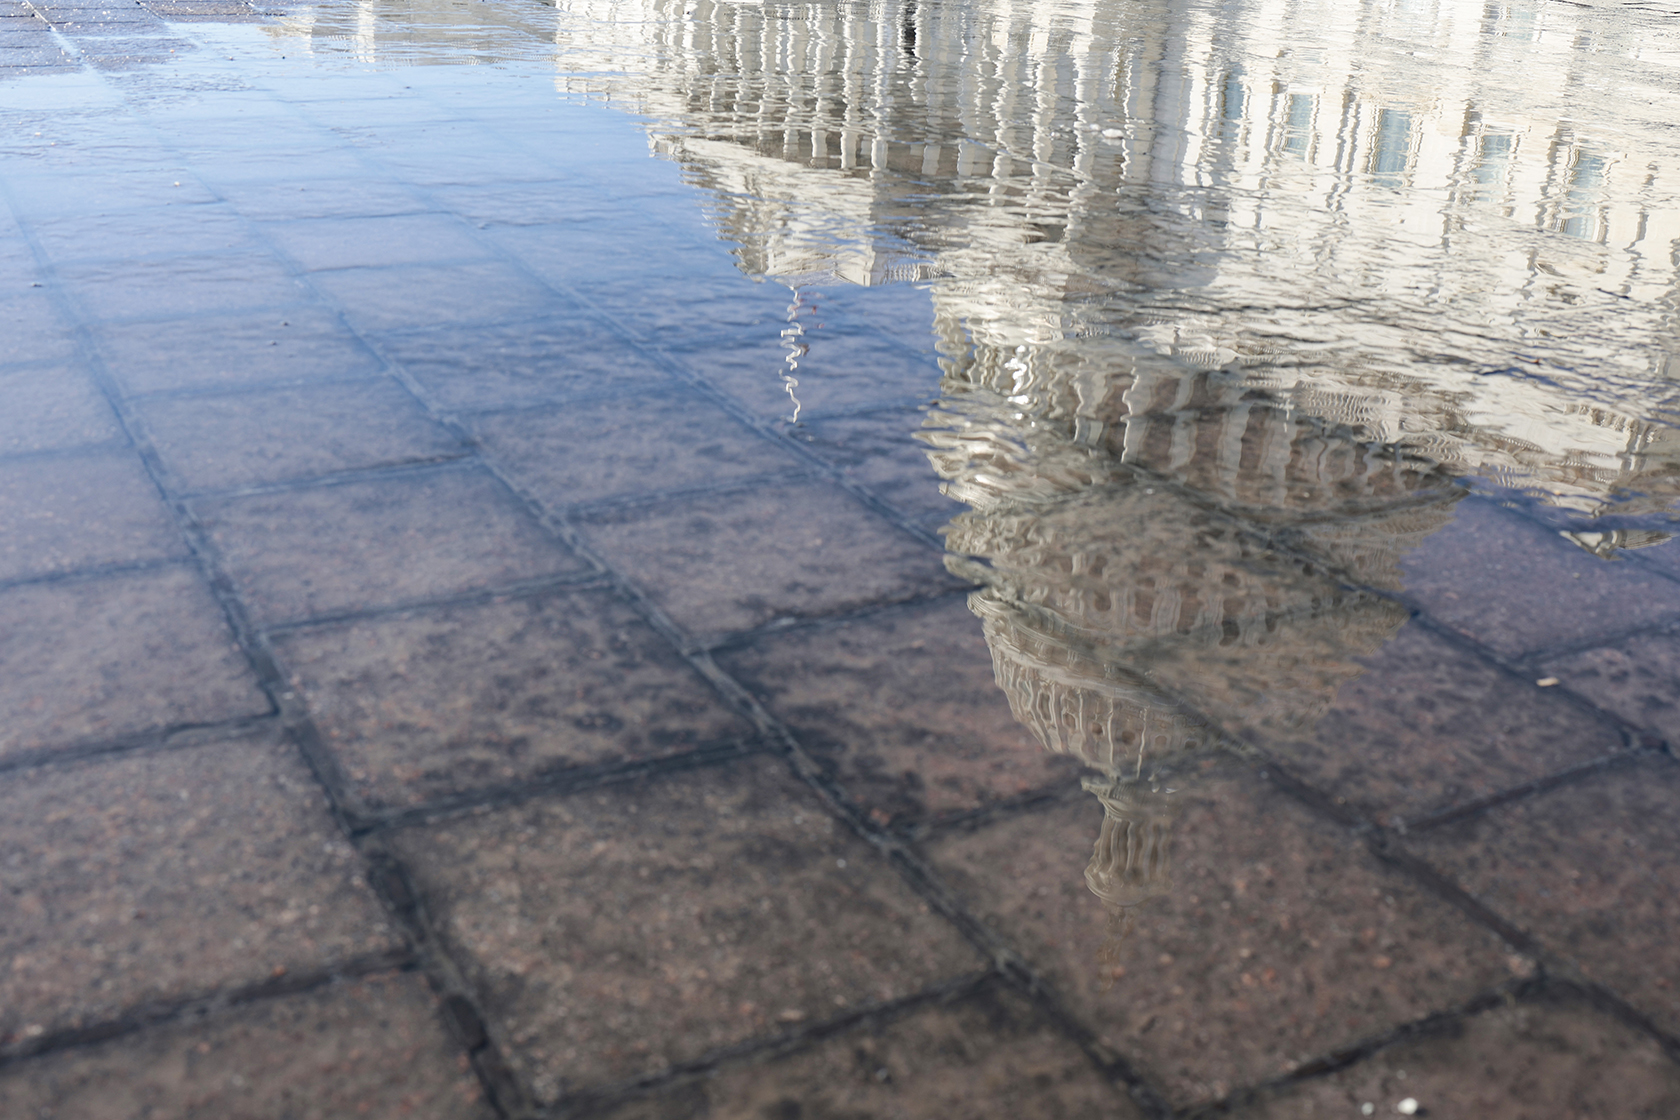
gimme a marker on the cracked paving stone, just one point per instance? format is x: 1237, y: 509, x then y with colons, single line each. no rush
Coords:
x: 613, y: 933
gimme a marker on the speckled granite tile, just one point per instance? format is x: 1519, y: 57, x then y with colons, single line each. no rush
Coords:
x: 615, y: 932
x: 879, y: 451
x: 70, y: 512
x: 223, y: 441
x: 52, y: 407
x: 990, y: 1056
x: 1271, y: 938
x: 903, y: 707
x: 369, y: 1047
x: 1637, y: 679
x: 1530, y: 1061
x: 1520, y: 587
x: 592, y: 450
x: 442, y: 701
x: 1592, y: 870
x: 168, y: 875
x: 1427, y: 726
x: 100, y: 659
x: 730, y: 562
x: 377, y: 542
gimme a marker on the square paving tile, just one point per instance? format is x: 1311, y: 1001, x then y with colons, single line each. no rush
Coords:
x: 1592, y: 870
x: 130, y: 233
x: 1427, y: 726
x: 34, y: 330
x: 1520, y: 587
x: 613, y: 933
x: 52, y: 407
x: 512, y: 365
x: 371, y: 1047
x: 1637, y: 678
x: 904, y: 707
x: 988, y: 1057
x: 379, y: 542
x: 187, y: 285
x: 373, y: 242
x: 62, y: 513
x: 422, y: 295
x: 590, y: 450
x: 733, y: 561
x: 881, y: 452
x: 1278, y: 940
x: 278, y: 198
x: 168, y: 875
x: 1522, y: 1062
x: 85, y: 660
x: 435, y: 702
x: 300, y: 343
x: 223, y: 441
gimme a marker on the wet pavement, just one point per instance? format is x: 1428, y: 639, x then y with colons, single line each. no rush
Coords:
x: 920, y: 559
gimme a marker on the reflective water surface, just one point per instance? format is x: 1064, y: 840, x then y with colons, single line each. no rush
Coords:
x: 1298, y: 383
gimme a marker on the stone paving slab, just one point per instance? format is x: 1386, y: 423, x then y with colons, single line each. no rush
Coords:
x: 166, y: 876
x: 1552, y: 1057
x: 1426, y: 727
x: 902, y: 707
x: 51, y: 408
x: 291, y: 344
x: 368, y: 1047
x: 1592, y: 871
x: 1637, y: 678
x: 90, y: 661
x: 75, y: 512
x: 990, y: 1056
x: 616, y: 932
x: 627, y: 446
x: 878, y: 451
x: 725, y: 563
x: 1281, y: 937
x: 278, y: 435
x: 379, y: 542
x: 441, y: 702
x: 1479, y: 575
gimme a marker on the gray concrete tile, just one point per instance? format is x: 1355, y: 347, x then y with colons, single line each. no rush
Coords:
x: 64, y: 513
x: 49, y: 407
x: 219, y: 442
x: 512, y: 365
x: 378, y: 542
x: 880, y: 452
x: 99, y: 660
x: 1592, y: 870
x: 444, y: 701
x: 991, y: 1056
x: 368, y: 1047
x: 168, y: 875
x: 902, y: 705
x: 291, y: 344
x: 1484, y: 575
x: 642, y: 444
x: 725, y: 563
x: 1271, y: 937
x: 616, y: 932
x: 33, y: 328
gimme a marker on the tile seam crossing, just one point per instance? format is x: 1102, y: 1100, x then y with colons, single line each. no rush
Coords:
x: 446, y: 980
x: 161, y: 1013
x: 921, y: 880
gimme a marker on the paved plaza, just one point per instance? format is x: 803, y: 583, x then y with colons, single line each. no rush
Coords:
x: 442, y: 679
